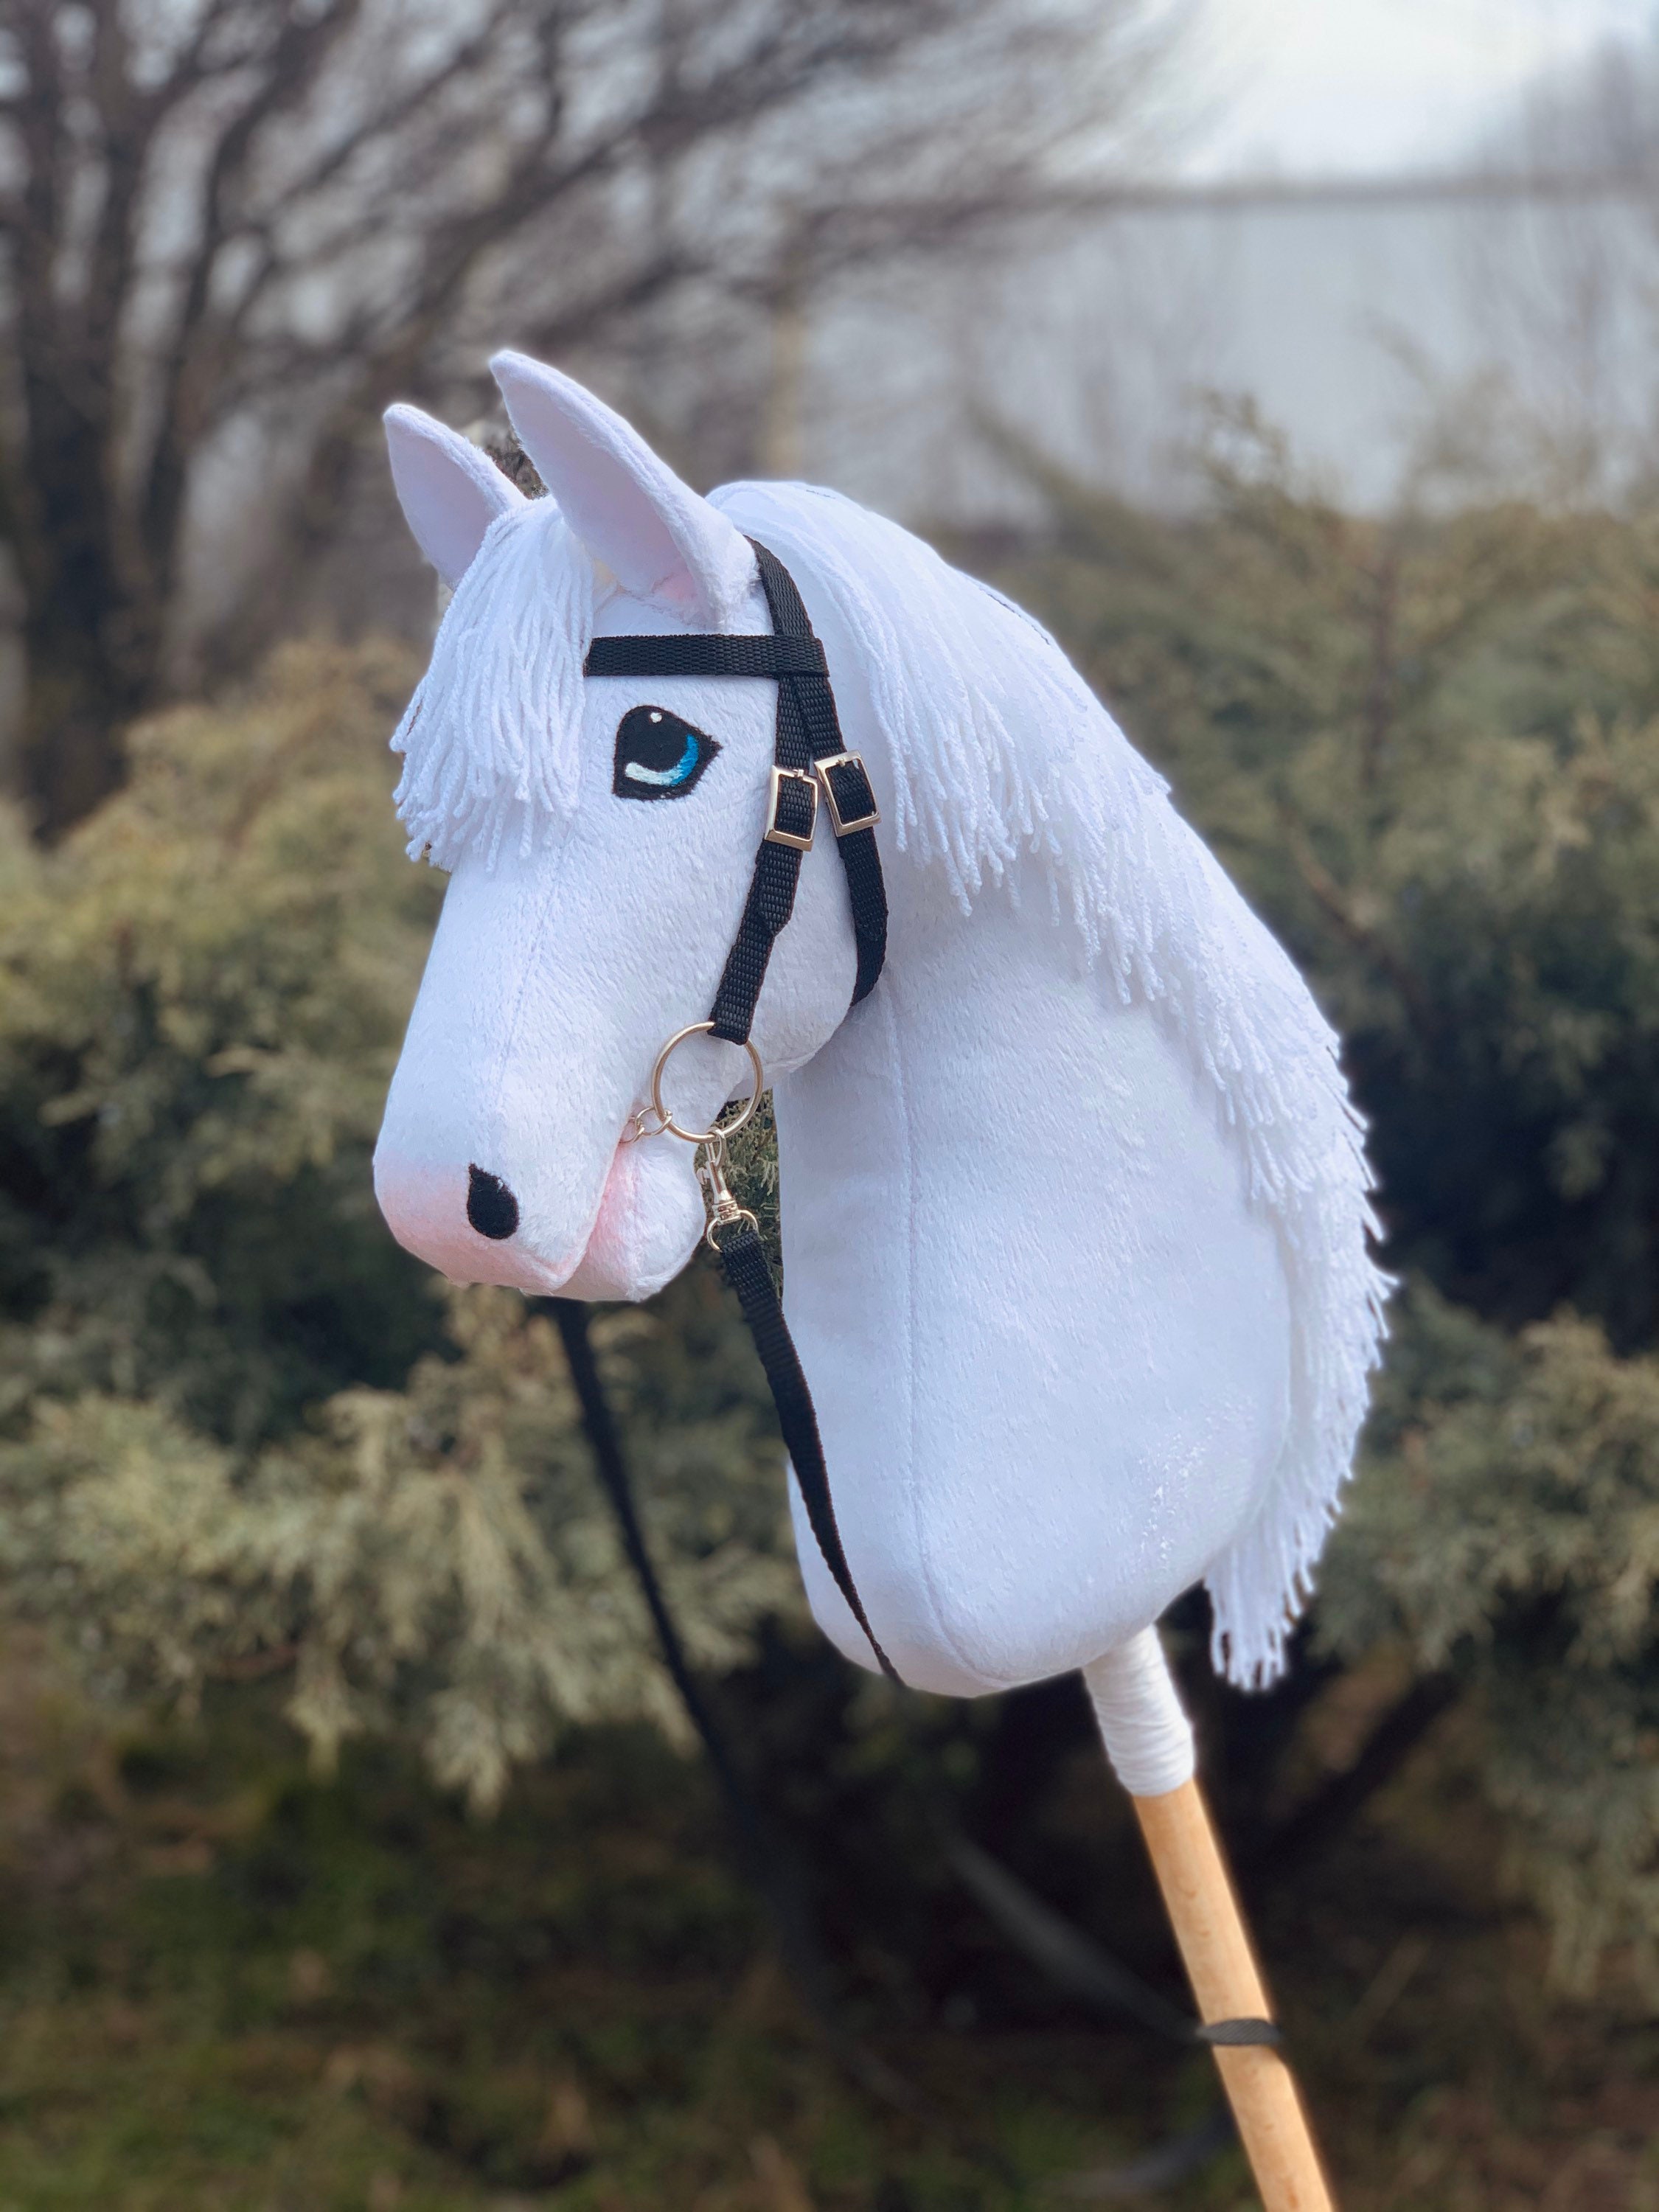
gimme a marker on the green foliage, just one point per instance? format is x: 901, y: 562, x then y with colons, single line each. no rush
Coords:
x: 1506, y: 1524
x: 435, y: 1558
x: 240, y: 1431
x: 264, y: 1993
x: 1428, y: 749
x: 243, y: 1430
x: 203, y: 998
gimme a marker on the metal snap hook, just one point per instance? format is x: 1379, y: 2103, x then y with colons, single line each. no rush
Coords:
x: 724, y: 1212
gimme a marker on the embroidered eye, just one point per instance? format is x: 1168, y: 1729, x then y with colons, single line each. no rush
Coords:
x: 658, y: 755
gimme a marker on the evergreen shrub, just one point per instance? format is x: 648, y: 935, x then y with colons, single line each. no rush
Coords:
x: 244, y: 1432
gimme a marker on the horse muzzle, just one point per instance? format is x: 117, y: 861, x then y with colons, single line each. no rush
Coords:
x: 484, y: 1222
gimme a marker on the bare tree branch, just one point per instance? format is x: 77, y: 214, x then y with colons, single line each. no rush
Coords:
x: 264, y: 217
x: 298, y: 52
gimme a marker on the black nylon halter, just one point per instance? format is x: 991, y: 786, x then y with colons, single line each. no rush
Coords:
x: 809, y: 762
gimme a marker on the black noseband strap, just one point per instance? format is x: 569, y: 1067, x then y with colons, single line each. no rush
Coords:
x: 809, y: 760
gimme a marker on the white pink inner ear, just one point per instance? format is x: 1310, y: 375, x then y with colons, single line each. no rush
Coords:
x: 662, y: 541
x: 449, y: 491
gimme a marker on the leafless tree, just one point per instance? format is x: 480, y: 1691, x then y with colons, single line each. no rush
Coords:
x: 1557, y: 274
x: 263, y: 219
x: 1599, y: 117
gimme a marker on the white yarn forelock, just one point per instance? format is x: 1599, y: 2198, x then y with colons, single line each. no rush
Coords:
x: 998, y: 750
x: 489, y: 739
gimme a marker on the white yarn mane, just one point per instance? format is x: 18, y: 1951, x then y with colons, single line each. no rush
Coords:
x: 489, y: 739
x: 999, y: 749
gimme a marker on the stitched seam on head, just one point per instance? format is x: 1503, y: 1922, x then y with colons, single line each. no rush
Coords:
x: 908, y: 1149
x: 495, y: 1109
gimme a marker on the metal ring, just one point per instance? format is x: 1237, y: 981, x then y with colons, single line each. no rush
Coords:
x: 671, y: 1128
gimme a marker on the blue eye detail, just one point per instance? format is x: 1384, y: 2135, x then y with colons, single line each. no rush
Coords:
x: 658, y: 755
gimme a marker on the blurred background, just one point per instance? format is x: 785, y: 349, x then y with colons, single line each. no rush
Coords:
x: 1297, y: 365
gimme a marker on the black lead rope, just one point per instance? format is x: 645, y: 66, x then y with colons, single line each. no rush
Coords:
x: 809, y: 761
x: 747, y: 1269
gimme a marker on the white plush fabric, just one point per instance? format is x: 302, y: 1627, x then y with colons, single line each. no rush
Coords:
x: 1074, y: 1206
x: 450, y: 492
x: 660, y: 542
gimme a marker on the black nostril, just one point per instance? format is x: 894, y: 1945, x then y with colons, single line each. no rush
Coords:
x: 490, y: 1205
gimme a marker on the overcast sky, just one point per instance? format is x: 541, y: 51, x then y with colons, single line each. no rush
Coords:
x: 1328, y: 85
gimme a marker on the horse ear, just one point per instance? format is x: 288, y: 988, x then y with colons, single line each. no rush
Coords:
x: 449, y: 491
x: 658, y: 537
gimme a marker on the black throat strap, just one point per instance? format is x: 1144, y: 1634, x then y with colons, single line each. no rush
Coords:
x: 810, y: 763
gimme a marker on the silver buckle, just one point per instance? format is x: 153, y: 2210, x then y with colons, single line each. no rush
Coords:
x: 844, y: 826
x: 772, y: 835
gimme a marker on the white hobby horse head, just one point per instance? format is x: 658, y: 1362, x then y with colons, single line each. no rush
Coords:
x: 1074, y: 1205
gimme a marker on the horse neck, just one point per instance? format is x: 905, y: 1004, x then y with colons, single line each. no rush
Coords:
x: 958, y: 1060
x: 972, y: 1100
x: 1014, y: 1236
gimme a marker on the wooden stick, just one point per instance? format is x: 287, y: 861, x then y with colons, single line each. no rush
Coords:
x: 1227, y: 1983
